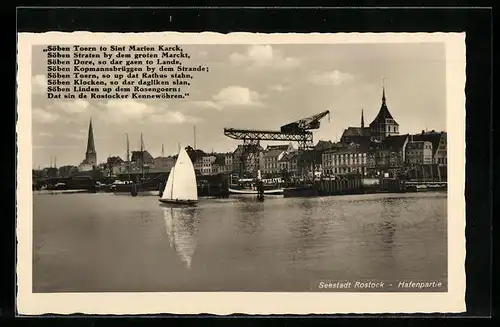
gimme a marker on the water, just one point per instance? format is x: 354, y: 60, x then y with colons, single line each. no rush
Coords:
x: 105, y: 242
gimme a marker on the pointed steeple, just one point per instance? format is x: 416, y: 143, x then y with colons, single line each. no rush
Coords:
x: 90, y: 154
x: 90, y: 140
x: 362, y: 119
x: 383, y: 95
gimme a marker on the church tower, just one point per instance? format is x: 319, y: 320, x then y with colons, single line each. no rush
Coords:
x: 384, y: 124
x: 90, y: 154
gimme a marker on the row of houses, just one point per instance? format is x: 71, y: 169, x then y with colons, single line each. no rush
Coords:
x: 389, y: 155
x: 365, y: 156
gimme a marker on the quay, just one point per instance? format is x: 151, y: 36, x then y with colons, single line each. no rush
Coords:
x: 357, y: 185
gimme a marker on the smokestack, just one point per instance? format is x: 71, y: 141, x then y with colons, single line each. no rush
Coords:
x: 55, y: 160
x: 162, y: 151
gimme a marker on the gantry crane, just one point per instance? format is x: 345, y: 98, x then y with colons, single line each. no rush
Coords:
x: 298, y: 131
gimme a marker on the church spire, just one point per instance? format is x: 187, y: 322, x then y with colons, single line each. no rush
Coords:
x: 383, y: 91
x: 362, y: 119
x: 90, y: 140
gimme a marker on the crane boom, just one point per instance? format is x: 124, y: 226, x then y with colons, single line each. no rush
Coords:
x: 312, y: 122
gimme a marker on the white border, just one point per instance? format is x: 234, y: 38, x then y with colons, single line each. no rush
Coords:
x: 232, y: 302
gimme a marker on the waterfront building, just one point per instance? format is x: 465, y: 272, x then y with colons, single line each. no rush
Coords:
x: 271, y: 160
x: 207, y: 163
x: 289, y: 163
x: 252, y: 160
x: 163, y: 164
x: 387, y: 157
x: 67, y: 170
x: 90, y: 161
x: 228, y: 162
x: 143, y: 157
x: 419, y: 152
x: 346, y: 160
x: 439, y: 145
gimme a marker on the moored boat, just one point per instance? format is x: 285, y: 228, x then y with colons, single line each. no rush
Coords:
x: 249, y: 186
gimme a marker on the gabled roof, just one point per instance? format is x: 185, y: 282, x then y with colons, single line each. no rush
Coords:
x: 290, y: 156
x: 433, y: 137
x: 356, y: 131
x: 273, y: 153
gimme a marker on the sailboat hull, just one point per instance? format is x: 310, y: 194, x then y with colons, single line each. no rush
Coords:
x: 179, y: 202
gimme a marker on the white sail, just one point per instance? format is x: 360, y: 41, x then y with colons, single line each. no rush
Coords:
x: 180, y: 227
x: 167, y: 192
x: 181, y: 182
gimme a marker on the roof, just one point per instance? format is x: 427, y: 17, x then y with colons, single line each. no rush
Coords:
x: 433, y: 137
x: 348, y: 149
x: 383, y: 113
x: 325, y: 145
x: 273, y: 153
x: 290, y: 156
x: 394, y: 142
x: 136, y: 156
x: 356, y: 131
x: 114, y: 159
x: 239, y: 149
x: 278, y: 147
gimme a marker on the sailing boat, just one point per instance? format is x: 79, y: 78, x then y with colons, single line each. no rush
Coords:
x: 181, y: 185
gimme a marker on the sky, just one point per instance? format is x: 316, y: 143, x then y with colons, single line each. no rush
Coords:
x: 250, y: 87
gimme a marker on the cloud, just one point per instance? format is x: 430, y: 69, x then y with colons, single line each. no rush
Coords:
x: 173, y: 117
x: 39, y: 84
x: 263, y: 56
x: 279, y: 88
x: 119, y: 112
x: 232, y: 96
x: 45, y: 134
x: 43, y: 116
x: 331, y: 78
x: 73, y: 107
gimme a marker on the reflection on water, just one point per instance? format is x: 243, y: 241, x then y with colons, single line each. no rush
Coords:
x: 100, y: 242
x: 180, y: 225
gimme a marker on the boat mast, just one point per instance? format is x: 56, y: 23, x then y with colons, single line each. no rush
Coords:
x: 194, y: 135
x: 128, y: 157
x: 142, y: 156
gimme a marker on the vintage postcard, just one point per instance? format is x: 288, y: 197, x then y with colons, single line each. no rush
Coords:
x: 248, y: 173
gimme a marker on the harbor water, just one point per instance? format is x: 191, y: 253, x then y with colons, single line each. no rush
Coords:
x: 116, y: 243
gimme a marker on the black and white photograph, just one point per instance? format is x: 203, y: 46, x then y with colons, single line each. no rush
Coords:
x: 241, y: 165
